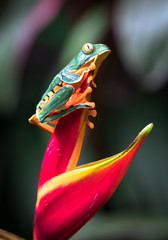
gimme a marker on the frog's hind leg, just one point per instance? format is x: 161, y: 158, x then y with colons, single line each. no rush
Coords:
x: 44, y: 126
x: 55, y: 102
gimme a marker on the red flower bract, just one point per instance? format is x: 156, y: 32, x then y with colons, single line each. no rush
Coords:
x: 68, y: 196
x: 64, y: 147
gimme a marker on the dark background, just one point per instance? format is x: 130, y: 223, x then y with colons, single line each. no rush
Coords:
x: 37, y: 39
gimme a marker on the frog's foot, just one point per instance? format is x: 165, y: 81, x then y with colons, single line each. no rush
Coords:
x: 44, y: 126
x: 91, y: 105
x: 92, y: 113
x: 79, y: 98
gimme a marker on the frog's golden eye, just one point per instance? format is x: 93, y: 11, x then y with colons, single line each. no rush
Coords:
x: 88, y: 47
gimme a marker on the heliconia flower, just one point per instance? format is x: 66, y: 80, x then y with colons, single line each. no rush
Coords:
x: 68, y: 196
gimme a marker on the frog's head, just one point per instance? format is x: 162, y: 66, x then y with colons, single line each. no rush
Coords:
x: 87, y: 55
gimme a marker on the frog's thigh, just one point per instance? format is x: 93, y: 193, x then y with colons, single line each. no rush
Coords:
x: 58, y: 99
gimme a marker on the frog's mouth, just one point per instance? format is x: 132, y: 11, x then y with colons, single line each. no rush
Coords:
x: 97, y: 59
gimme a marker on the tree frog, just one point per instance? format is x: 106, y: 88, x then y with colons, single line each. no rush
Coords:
x: 64, y: 93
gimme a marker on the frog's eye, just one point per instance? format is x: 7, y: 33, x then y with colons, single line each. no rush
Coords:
x: 88, y: 47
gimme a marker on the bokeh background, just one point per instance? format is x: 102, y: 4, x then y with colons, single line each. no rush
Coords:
x: 37, y: 39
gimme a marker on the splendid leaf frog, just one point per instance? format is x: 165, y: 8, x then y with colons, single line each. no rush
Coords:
x: 64, y: 93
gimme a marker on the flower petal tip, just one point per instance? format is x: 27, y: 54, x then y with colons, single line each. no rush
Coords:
x: 148, y: 128
x: 145, y: 131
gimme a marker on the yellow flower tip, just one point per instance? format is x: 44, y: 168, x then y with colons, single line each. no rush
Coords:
x: 148, y: 128
x: 145, y: 131
x: 140, y: 137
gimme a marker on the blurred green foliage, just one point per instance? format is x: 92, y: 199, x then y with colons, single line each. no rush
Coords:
x: 132, y: 92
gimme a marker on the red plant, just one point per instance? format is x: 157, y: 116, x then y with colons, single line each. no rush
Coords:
x: 68, y: 196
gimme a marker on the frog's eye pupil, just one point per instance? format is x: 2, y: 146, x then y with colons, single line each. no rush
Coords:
x: 88, y: 47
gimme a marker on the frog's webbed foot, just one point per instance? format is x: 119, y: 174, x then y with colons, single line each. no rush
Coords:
x: 80, y: 98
